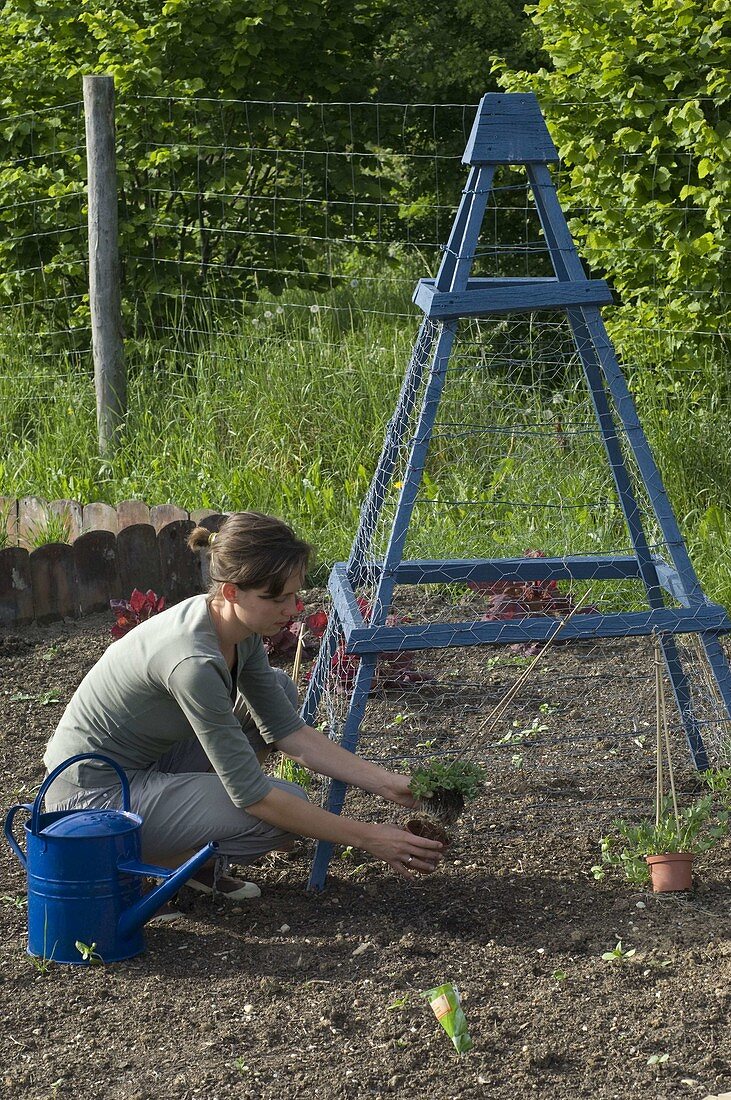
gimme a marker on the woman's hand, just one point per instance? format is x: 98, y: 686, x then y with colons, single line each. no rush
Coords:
x: 315, y: 751
x: 403, y: 851
x: 395, y: 788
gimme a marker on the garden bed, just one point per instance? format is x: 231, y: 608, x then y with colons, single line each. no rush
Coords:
x: 294, y: 994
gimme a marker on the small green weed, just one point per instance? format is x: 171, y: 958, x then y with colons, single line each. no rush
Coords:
x: 619, y: 954
x: 88, y: 952
x: 48, y: 698
x: 399, y: 719
x: 53, y: 529
x: 18, y: 901
x: 718, y: 780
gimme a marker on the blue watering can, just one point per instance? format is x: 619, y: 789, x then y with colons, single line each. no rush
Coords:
x: 85, y: 877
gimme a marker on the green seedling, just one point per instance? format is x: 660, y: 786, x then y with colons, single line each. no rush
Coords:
x: 88, y: 952
x: 516, y: 736
x: 619, y: 954
x: 658, y: 1059
x: 399, y: 1002
x: 18, y: 901
x: 350, y: 853
x: 21, y: 697
x: 399, y: 719
x: 546, y: 708
x: 517, y: 761
x: 48, y: 699
x: 51, y: 653
x: 560, y: 975
x: 598, y: 872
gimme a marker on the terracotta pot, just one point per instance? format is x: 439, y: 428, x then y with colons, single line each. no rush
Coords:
x: 419, y: 826
x: 671, y: 871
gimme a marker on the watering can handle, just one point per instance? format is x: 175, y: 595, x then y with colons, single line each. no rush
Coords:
x: 9, y: 830
x: 62, y: 767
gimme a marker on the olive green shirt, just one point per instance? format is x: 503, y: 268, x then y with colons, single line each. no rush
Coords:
x: 166, y: 681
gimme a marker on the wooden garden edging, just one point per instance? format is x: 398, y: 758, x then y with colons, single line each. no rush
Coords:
x: 110, y: 551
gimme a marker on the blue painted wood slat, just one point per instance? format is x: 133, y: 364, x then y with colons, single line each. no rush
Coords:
x: 518, y: 297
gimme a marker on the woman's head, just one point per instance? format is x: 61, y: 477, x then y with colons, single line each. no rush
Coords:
x: 252, y: 551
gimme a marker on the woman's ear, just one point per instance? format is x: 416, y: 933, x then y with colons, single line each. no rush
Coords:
x: 229, y: 591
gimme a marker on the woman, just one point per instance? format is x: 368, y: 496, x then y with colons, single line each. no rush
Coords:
x: 188, y: 704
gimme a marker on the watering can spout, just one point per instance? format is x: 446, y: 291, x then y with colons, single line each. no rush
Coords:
x: 133, y: 918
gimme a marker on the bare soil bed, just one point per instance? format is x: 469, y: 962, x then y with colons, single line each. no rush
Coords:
x: 318, y: 995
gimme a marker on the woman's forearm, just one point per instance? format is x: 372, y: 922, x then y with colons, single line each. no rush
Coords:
x: 403, y: 851
x: 295, y: 815
x: 317, y: 752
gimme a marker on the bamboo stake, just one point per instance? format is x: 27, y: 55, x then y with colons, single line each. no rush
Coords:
x: 298, y: 653
x: 662, y: 721
x: 659, y: 779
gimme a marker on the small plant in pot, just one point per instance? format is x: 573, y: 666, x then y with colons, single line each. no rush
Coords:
x: 662, y: 851
x: 441, y: 789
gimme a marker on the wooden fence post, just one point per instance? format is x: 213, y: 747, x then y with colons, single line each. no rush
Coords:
x: 104, y: 283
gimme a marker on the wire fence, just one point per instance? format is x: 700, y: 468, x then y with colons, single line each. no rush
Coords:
x: 227, y: 207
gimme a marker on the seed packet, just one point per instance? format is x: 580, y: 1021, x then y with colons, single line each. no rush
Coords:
x: 446, y: 1006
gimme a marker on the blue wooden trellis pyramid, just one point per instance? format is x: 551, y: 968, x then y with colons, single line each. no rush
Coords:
x: 510, y: 130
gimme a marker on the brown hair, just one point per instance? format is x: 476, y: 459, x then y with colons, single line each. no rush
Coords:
x: 252, y: 550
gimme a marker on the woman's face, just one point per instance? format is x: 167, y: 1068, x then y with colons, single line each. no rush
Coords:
x: 261, y: 613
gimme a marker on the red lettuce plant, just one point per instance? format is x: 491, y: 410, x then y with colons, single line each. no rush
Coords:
x: 392, y: 670
x: 526, y: 600
x: 137, y: 609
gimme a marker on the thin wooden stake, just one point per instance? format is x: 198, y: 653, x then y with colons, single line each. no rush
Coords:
x: 659, y: 780
x: 298, y: 653
x: 662, y: 724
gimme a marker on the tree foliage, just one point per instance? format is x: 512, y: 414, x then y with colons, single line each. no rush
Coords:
x: 211, y: 193
x: 638, y: 104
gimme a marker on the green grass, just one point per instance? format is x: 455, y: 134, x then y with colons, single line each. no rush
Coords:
x: 286, y: 413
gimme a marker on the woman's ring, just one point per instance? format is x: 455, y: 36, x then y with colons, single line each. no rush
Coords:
x: 408, y: 860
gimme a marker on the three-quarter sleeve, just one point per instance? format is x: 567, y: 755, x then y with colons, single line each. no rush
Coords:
x: 273, y: 713
x: 201, y: 692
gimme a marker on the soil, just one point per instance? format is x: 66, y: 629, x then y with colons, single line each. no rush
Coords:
x: 432, y: 830
x: 319, y: 994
